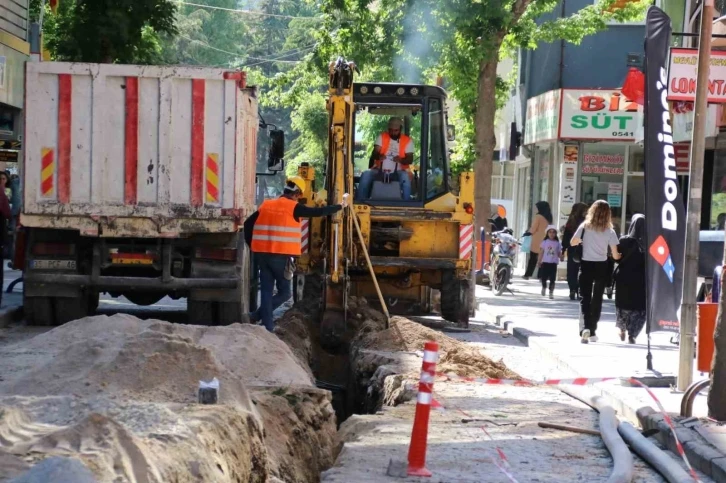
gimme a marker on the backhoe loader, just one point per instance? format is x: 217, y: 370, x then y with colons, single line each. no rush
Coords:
x: 416, y: 245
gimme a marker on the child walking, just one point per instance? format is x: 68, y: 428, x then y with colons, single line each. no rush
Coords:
x: 550, y: 255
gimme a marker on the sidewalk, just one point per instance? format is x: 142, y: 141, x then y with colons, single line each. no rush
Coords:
x: 550, y: 327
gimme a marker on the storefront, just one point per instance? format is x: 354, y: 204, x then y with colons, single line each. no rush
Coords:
x: 584, y: 147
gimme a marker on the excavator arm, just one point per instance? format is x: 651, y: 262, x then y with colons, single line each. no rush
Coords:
x: 339, y: 181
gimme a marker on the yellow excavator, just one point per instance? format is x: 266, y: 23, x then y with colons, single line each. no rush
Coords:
x: 420, y: 238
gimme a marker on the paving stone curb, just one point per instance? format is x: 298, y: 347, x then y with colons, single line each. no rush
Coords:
x: 700, y: 453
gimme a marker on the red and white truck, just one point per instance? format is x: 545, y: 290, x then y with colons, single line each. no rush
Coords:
x: 136, y: 182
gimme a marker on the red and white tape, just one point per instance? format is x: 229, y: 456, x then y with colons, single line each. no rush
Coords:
x: 670, y: 424
x: 578, y: 381
x: 499, y: 459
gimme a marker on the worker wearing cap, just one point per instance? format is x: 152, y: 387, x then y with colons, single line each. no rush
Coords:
x: 392, y: 153
x: 273, y: 234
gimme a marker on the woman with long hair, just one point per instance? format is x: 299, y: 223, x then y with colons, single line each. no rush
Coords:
x: 596, y: 234
x: 542, y: 219
x: 630, y: 281
x: 577, y: 216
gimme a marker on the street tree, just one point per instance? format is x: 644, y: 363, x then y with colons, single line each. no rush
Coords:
x: 464, y: 41
x: 107, y: 31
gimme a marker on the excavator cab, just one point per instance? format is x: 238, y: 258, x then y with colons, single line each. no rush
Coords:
x: 417, y: 227
x: 420, y: 111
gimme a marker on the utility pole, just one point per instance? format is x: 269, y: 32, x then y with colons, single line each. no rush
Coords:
x: 695, y: 188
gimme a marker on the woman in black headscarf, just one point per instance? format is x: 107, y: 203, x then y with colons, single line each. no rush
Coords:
x: 630, y: 281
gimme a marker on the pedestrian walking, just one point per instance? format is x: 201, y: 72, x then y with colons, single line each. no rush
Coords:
x: 630, y: 281
x: 577, y: 216
x: 550, y: 255
x: 273, y: 234
x: 542, y: 219
x: 595, y: 235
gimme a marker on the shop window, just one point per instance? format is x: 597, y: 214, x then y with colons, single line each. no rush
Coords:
x: 503, y: 181
x: 636, y: 163
x: 603, y: 170
x: 718, y: 198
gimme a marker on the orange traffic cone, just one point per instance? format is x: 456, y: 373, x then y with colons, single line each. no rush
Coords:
x: 419, y: 435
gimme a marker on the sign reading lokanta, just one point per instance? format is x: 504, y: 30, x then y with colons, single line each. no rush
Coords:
x: 682, y: 68
x: 603, y: 114
x: 543, y: 117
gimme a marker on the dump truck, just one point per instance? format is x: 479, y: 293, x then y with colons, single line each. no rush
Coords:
x: 136, y: 182
x: 418, y: 242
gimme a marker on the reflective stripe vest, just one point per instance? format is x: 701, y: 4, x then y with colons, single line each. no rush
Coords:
x: 276, y: 230
x: 402, y: 145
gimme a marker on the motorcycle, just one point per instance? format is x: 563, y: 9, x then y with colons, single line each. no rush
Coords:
x: 501, y: 266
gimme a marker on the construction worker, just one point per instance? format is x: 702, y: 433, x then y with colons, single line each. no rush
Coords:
x: 392, y: 153
x: 273, y: 234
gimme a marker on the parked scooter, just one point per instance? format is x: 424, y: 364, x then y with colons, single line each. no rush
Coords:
x: 501, y: 267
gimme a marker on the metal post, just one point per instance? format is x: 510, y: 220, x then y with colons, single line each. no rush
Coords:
x: 695, y: 186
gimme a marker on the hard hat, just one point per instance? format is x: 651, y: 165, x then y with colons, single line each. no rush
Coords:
x: 501, y: 211
x: 297, y: 181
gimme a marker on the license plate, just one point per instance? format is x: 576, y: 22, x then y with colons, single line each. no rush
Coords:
x: 53, y: 264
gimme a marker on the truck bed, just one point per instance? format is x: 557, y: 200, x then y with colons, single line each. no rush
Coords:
x: 142, y: 151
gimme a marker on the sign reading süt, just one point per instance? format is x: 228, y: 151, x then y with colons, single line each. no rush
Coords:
x: 601, y: 114
x: 683, y: 65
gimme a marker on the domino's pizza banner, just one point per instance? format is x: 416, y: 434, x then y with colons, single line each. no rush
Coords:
x: 665, y: 217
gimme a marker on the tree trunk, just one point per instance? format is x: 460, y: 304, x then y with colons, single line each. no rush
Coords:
x: 486, y: 110
x: 717, y: 393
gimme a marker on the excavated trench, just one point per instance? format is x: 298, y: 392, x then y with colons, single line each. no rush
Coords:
x: 348, y: 373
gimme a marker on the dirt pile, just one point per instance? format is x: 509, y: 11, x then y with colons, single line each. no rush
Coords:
x: 119, y: 394
x: 454, y: 356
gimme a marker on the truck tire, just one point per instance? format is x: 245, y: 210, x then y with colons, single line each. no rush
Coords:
x: 69, y: 309
x: 93, y: 300
x: 38, y: 310
x: 231, y: 313
x: 455, y: 299
x: 201, y: 312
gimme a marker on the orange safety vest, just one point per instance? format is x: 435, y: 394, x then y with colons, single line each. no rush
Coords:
x: 402, y: 145
x: 276, y: 230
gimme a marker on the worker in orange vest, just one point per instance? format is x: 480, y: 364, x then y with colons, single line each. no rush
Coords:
x: 273, y: 234
x: 392, y: 153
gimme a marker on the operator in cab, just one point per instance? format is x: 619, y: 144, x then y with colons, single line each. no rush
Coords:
x: 392, y: 153
x: 273, y: 234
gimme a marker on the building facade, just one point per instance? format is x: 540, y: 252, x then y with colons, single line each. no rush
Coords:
x: 14, y: 52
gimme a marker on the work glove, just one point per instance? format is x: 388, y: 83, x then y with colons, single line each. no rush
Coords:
x: 290, y: 268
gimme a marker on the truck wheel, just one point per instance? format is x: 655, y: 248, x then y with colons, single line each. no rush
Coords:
x: 231, y: 313
x: 93, y: 300
x: 200, y: 312
x: 38, y: 310
x: 69, y: 309
x: 455, y: 299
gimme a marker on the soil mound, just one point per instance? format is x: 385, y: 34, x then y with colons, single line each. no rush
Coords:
x: 147, y: 361
x: 454, y: 356
x: 119, y: 394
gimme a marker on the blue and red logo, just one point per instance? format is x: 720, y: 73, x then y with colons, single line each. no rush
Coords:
x: 662, y: 254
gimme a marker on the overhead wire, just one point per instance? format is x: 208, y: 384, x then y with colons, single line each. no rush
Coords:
x: 260, y: 60
x: 247, y: 12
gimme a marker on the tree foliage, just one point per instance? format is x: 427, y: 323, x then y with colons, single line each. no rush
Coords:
x: 107, y: 31
x: 461, y: 40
